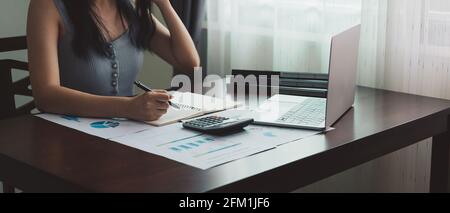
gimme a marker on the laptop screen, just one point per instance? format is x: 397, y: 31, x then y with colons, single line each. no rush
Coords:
x: 343, y: 71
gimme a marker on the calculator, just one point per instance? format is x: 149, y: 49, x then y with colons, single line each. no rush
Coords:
x: 217, y: 124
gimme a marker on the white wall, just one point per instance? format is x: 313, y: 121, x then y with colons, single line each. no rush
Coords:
x: 156, y: 72
x: 13, y: 17
x: 12, y: 23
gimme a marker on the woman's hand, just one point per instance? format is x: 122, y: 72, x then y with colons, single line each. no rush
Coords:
x: 149, y: 106
x: 159, y: 2
x: 173, y: 43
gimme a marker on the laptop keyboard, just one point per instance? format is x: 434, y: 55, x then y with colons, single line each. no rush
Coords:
x: 310, y: 112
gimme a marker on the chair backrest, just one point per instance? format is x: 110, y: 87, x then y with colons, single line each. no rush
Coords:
x: 8, y: 88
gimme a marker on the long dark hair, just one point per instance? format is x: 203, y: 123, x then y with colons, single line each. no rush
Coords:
x: 90, y: 31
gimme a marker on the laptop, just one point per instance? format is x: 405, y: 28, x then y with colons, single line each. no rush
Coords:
x: 319, y: 113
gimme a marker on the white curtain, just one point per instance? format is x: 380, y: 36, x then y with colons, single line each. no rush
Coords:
x: 284, y: 35
x: 405, y: 46
x: 409, y: 45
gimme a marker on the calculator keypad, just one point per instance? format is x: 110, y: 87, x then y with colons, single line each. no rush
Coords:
x: 207, y: 121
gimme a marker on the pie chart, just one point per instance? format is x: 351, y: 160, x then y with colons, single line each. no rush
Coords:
x: 105, y: 124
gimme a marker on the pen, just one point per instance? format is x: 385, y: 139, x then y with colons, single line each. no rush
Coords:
x: 147, y: 89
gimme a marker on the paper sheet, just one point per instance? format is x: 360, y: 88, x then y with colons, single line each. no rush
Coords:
x: 279, y: 136
x: 195, y: 149
x: 182, y: 145
x: 103, y: 128
x: 205, y: 151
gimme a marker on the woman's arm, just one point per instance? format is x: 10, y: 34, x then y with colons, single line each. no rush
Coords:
x: 43, y: 30
x: 174, y: 44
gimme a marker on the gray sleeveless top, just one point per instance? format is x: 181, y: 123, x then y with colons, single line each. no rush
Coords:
x: 99, y: 75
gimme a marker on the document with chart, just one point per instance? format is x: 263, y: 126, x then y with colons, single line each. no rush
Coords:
x: 100, y: 127
x: 207, y: 151
x: 195, y: 149
x: 185, y: 146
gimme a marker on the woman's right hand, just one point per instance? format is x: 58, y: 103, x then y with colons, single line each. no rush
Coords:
x: 149, y: 106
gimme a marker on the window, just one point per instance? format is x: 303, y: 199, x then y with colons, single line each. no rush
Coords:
x: 283, y: 35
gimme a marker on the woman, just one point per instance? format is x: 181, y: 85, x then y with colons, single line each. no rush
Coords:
x: 84, y: 55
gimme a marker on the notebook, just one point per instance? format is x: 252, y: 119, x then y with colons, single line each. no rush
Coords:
x: 191, y: 106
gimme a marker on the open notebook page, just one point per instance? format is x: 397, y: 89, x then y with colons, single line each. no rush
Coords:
x: 192, y: 105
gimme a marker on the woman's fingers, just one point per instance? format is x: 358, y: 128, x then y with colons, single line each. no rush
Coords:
x: 161, y: 112
x: 162, y: 105
x: 156, y: 103
x: 163, y: 92
x: 162, y: 97
x: 160, y: 91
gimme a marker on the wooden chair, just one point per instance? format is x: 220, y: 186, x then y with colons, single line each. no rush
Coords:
x: 8, y: 88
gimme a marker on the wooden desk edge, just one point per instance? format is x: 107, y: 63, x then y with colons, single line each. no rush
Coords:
x: 255, y: 183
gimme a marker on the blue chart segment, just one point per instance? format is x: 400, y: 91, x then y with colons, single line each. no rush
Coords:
x: 269, y: 134
x: 201, y: 146
x: 105, y: 124
x: 192, y: 144
x: 71, y: 118
x: 263, y: 132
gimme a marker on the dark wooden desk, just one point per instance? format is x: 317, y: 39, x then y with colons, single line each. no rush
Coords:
x: 38, y: 156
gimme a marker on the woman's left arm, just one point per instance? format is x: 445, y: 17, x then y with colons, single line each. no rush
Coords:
x: 173, y: 44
